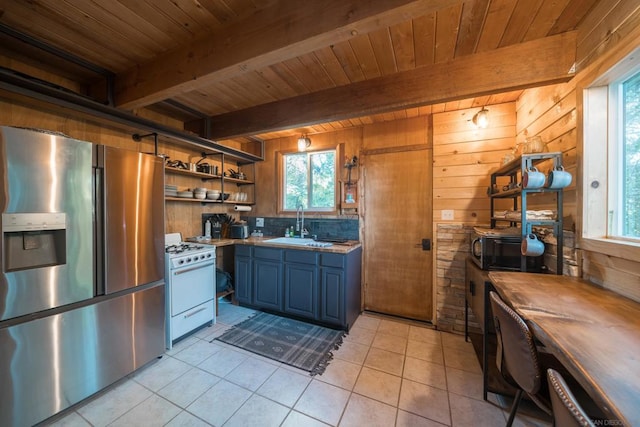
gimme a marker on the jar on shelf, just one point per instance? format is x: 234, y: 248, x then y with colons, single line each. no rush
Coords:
x: 534, y: 144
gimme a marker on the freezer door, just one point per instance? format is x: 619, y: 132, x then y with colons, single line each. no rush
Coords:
x: 46, y: 199
x: 51, y: 363
x: 133, y: 213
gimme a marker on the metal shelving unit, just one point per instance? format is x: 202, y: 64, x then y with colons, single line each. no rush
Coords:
x: 514, y: 171
x: 219, y: 177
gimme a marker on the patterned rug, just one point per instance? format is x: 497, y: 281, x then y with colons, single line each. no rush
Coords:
x: 303, y: 345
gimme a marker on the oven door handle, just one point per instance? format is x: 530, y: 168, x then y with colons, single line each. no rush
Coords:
x: 195, y: 267
x: 193, y: 313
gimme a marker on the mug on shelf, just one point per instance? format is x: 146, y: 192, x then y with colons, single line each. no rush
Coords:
x: 532, y: 178
x: 559, y: 178
x: 531, y: 245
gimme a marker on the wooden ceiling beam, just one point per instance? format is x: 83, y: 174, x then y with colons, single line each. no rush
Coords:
x: 534, y: 63
x: 287, y: 29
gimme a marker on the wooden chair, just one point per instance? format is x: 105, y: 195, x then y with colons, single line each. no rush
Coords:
x: 567, y: 412
x: 517, y: 356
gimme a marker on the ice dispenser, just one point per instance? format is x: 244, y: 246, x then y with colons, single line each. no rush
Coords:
x: 33, y: 240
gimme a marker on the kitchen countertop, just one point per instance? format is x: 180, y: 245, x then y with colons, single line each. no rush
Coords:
x: 338, y: 248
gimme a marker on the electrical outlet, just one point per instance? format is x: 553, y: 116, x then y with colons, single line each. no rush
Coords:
x: 447, y: 214
x: 259, y: 222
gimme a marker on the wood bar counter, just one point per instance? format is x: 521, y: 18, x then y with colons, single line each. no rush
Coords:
x: 594, y: 333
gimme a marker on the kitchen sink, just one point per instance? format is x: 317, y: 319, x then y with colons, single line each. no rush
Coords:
x: 295, y: 241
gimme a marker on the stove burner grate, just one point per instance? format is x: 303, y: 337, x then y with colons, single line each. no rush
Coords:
x: 182, y: 247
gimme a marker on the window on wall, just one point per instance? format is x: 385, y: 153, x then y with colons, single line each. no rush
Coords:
x: 611, y: 187
x: 309, y: 180
x: 624, y: 167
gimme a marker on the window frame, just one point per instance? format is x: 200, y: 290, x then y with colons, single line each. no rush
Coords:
x: 280, y: 158
x: 599, y: 131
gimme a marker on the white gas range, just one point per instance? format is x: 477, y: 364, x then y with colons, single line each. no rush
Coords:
x: 190, y: 276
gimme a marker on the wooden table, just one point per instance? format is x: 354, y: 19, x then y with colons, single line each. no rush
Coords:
x: 594, y: 333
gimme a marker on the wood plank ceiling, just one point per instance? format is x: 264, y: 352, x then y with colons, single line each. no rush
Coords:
x: 260, y: 60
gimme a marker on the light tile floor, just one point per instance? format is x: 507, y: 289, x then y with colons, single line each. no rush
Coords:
x: 386, y: 373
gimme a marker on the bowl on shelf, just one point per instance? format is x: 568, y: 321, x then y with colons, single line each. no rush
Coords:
x: 213, y: 195
x: 224, y: 196
x: 200, y: 195
x: 185, y: 194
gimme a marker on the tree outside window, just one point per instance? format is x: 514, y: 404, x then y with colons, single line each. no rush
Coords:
x: 310, y: 180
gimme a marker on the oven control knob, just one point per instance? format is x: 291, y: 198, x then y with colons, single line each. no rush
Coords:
x: 208, y: 255
x: 181, y: 261
x: 188, y: 259
x: 201, y: 256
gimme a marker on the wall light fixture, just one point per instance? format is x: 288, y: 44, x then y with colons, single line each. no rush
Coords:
x: 481, y: 118
x: 303, y: 143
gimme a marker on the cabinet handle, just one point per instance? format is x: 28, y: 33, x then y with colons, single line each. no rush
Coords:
x: 472, y: 288
x: 186, y: 316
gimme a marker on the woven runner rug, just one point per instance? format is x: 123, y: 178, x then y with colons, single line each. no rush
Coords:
x: 303, y: 345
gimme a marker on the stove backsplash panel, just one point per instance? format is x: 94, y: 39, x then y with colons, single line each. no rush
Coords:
x: 341, y: 228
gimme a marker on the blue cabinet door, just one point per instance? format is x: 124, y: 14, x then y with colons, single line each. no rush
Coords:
x: 301, y: 290
x: 267, y: 284
x: 242, y: 279
x: 332, y: 296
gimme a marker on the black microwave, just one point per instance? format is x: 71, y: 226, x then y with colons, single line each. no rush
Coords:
x: 501, y: 253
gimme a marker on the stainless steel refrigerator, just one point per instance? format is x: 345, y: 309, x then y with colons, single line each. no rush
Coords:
x: 82, y: 277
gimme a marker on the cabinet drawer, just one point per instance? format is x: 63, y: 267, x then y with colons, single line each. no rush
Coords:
x: 301, y: 257
x: 243, y: 250
x: 332, y: 260
x: 267, y: 253
x: 191, y: 319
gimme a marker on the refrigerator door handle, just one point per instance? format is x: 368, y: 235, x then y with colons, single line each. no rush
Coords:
x: 100, y: 252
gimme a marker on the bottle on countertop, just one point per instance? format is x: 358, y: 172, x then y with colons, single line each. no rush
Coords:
x: 207, y: 229
x: 286, y: 232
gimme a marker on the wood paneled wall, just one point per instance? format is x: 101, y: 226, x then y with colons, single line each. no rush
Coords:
x: 463, y: 158
x: 550, y: 112
x: 266, y: 171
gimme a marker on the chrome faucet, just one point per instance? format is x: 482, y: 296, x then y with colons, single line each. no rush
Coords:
x: 300, y: 220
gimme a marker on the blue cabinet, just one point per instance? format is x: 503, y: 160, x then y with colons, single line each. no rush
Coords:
x: 332, y: 292
x: 301, y: 284
x: 340, y: 290
x: 242, y: 274
x: 267, y: 284
x: 258, y: 277
x: 314, y: 285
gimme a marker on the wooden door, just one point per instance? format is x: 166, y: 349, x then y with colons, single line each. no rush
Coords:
x: 397, y: 217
